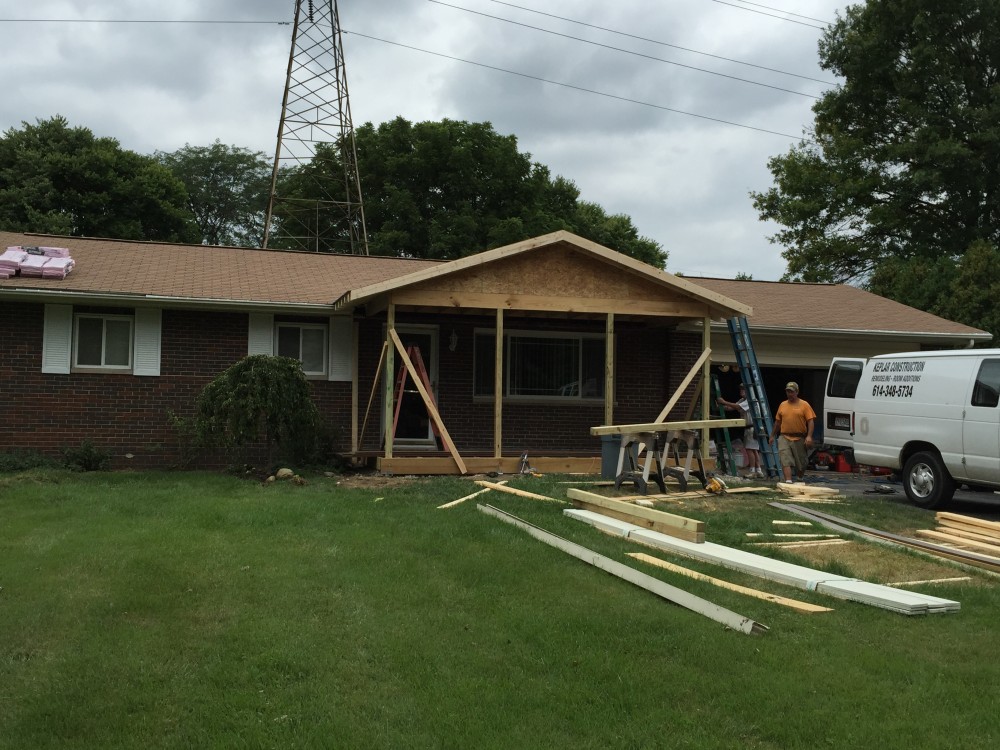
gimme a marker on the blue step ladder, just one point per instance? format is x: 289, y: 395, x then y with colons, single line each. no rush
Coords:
x: 760, y: 412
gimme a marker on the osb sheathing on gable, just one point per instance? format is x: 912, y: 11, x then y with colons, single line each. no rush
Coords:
x: 555, y: 272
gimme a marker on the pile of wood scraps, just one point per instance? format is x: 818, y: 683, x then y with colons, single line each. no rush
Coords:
x: 965, y: 533
x: 809, y: 493
x: 648, y: 518
x: 964, y: 557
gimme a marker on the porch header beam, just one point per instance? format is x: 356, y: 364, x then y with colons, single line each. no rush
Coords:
x: 677, y: 308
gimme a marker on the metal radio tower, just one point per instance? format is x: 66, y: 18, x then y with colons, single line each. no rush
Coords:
x: 315, y: 201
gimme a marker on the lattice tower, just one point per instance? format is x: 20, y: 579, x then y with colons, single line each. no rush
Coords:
x: 315, y: 201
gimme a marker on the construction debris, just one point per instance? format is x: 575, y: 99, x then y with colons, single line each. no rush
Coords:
x: 654, y: 585
x: 665, y: 523
x: 519, y: 493
x: 453, y: 503
x: 843, y: 587
x: 785, y: 602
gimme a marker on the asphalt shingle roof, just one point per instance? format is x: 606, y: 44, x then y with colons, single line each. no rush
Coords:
x: 209, y: 273
x: 830, y: 307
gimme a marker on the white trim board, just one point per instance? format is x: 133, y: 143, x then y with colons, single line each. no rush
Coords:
x: 842, y: 587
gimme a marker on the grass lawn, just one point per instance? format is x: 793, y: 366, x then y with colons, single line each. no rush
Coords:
x: 200, y: 610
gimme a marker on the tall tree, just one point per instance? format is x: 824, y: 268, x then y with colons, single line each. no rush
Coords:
x: 62, y: 180
x: 447, y: 189
x: 227, y: 189
x: 901, y: 175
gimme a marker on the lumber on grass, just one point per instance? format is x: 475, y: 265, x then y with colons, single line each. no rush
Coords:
x: 972, y: 559
x: 991, y: 549
x: 966, y: 532
x: 956, y: 579
x: 807, y: 489
x: 755, y: 535
x: 649, y: 583
x: 516, y: 491
x: 795, y: 604
x: 453, y: 503
x: 974, y: 528
x: 649, y: 518
x: 967, y: 520
x: 806, y: 543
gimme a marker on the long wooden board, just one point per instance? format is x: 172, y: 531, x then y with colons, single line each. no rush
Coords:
x: 756, y: 593
x: 520, y: 493
x: 982, y: 547
x: 694, y: 424
x: 969, y: 520
x: 807, y: 489
x: 648, y: 518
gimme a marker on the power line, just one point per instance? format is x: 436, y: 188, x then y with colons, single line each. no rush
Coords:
x: 578, y: 88
x: 626, y: 51
x: 666, y: 44
x: 135, y: 20
x: 786, y: 12
x: 781, y: 18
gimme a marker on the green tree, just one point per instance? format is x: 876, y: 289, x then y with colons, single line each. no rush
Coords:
x: 901, y: 174
x: 62, y: 180
x: 227, y: 189
x: 447, y: 189
x: 260, y: 399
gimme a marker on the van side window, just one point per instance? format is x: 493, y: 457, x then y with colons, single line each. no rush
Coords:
x: 844, y: 379
x: 986, y: 392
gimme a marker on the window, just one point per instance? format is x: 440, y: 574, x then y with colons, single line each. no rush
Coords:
x: 986, y: 391
x: 304, y: 342
x: 103, y: 341
x: 542, y: 365
x: 844, y: 379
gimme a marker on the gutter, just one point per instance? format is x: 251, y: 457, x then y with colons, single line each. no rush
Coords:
x: 157, y: 300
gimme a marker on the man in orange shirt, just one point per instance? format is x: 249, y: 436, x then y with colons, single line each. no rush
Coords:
x: 793, y: 426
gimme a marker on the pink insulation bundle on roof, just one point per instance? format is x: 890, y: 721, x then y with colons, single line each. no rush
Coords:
x: 55, y: 252
x: 10, y: 261
x: 57, y: 268
x: 32, y: 265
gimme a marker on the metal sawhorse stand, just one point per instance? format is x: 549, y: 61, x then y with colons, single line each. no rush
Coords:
x: 660, y: 441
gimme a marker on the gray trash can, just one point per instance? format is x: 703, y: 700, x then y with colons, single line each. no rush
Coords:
x: 610, y: 448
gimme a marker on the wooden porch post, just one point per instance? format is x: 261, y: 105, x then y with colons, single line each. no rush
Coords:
x: 498, y: 389
x: 390, y: 366
x: 354, y: 389
x: 609, y: 369
x: 706, y: 383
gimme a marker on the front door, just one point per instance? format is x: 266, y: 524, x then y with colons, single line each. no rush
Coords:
x: 414, y: 428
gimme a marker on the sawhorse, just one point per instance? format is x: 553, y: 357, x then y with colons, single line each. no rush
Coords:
x: 660, y: 438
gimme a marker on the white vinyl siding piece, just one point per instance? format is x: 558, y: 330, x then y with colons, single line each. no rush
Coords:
x: 341, y: 367
x: 260, y: 335
x: 148, y: 325
x: 57, y: 339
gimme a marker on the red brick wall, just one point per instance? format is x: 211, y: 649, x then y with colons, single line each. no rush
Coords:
x: 123, y: 413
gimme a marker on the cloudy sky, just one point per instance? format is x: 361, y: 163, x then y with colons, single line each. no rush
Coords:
x: 645, y: 139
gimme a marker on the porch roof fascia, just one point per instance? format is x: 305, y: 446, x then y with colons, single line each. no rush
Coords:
x: 721, y: 305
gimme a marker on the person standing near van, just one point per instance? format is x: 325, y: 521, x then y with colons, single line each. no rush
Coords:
x: 750, y: 444
x: 793, y: 427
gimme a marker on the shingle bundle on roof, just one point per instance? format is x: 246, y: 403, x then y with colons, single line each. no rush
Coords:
x: 38, y: 262
x: 10, y: 261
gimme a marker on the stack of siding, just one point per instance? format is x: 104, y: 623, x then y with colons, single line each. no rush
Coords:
x: 831, y: 584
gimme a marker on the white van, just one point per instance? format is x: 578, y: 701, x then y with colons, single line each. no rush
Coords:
x: 932, y: 416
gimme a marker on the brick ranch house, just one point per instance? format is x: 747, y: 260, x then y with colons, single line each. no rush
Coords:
x: 526, y: 347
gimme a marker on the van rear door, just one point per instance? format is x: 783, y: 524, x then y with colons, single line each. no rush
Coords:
x: 981, y: 424
x: 838, y: 405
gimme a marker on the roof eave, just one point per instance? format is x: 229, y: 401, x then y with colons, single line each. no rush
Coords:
x: 159, y: 300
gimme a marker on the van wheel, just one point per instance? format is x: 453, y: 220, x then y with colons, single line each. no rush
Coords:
x: 926, y: 481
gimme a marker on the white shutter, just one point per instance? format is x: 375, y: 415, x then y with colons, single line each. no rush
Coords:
x: 57, y: 339
x: 260, y: 337
x: 147, y: 341
x: 341, y: 348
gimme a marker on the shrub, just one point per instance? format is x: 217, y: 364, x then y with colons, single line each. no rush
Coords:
x: 87, y: 457
x: 261, y: 399
x: 23, y: 460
